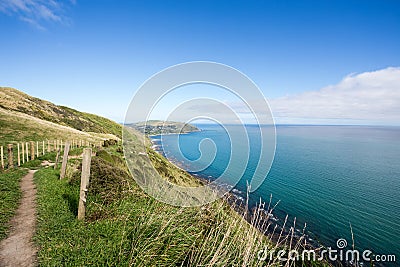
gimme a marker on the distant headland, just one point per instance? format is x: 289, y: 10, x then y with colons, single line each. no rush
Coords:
x: 156, y: 127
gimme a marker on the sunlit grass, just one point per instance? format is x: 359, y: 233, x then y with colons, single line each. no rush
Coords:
x: 125, y: 227
x: 10, y: 193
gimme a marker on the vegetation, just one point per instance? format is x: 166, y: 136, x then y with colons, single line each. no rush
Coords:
x: 10, y: 193
x: 170, y: 172
x: 32, y: 164
x: 125, y: 227
x: 14, y: 100
x: 19, y: 127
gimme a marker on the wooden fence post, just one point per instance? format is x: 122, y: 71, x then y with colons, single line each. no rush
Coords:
x: 65, y: 160
x: 87, y: 157
x: 23, y: 153
x: 26, y: 151
x: 37, y: 149
x: 10, y: 156
x: 2, y: 158
x: 32, y: 145
x: 48, y: 146
x: 18, y: 155
x: 43, y: 147
x: 55, y: 147
x: 57, y: 157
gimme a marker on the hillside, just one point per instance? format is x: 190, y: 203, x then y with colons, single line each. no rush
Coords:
x: 19, y: 127
x: 13, y: 100
x: 123, y: 225
x: 154, y: 127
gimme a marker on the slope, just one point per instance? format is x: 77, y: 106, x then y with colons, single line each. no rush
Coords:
x: 19, y: 127
x: 13, y: 100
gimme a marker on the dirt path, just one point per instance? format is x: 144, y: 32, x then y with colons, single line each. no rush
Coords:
x: 18, y: 249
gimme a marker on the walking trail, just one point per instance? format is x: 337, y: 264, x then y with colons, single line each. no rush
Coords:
x: 18, y: 248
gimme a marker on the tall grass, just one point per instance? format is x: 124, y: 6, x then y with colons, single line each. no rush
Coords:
x: 125, y: 227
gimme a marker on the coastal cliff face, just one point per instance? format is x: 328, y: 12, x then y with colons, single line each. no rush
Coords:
x: 155, y: 127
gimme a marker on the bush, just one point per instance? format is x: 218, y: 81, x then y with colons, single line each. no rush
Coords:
x: 109, y: 142
x: 49, y: 156
x: 32, y: 164
x: 76, y: 151
x: 107, y: 182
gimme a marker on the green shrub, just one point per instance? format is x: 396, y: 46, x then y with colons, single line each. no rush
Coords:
x: 32, y: 164
x: 76, y: 151
x: 49, y: 156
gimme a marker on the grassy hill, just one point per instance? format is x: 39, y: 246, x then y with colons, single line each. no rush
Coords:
x: 19, y: 127
x: 13, y: 100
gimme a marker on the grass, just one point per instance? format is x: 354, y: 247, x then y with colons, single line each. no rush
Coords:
x: 134, y: 230
x: 10, y: 194
x: 76, y: 151
x: 12, y: 99
x: 170, y: 172
x: 24, y: 118
x: 19, y: 127
x: 32, y: 164
x: 125, y: 227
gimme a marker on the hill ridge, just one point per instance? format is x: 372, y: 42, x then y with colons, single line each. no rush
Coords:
x: 15, y: 100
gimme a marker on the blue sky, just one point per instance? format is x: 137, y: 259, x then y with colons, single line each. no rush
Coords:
x: 93, y: 55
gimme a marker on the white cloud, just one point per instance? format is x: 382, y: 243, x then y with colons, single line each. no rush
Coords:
x: 36, y: 12
x: 365, y: 98
x: 369, y: 97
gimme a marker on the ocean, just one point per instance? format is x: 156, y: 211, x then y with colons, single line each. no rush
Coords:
x: 326, y: 176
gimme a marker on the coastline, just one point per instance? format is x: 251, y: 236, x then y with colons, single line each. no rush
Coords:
x: 153, y: 135
x: 275, y: 231
x: 324, y: 226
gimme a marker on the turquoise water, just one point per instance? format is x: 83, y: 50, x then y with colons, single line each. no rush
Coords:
x: 326, y: 176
